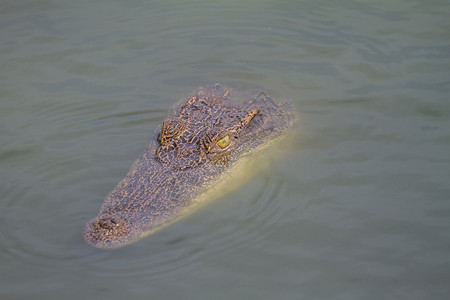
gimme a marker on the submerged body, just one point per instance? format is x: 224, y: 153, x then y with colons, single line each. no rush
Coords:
x: 199, y: 143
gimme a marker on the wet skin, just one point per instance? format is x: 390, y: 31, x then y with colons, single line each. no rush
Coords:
x: 201, y: 140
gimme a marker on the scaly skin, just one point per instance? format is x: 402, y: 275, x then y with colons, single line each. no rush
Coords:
x: 199, y: 142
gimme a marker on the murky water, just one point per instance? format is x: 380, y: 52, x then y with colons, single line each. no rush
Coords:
x: 357, y: 207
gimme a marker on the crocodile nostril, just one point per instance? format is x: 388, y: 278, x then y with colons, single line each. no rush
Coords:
x: 107, y: 223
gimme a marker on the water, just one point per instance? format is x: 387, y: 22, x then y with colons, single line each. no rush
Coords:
x: 357, y: 207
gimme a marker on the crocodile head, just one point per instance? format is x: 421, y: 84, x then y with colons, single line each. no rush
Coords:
x: 202, y: 137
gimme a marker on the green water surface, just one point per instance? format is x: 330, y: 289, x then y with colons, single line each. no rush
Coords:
x: 357, y: 207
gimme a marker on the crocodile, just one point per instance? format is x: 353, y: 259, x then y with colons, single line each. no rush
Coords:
x: 198, y: 145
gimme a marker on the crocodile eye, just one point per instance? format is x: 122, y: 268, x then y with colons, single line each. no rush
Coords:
x: 223, y: 142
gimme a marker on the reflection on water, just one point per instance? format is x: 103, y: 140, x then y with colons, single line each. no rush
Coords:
x: 357, y: 207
